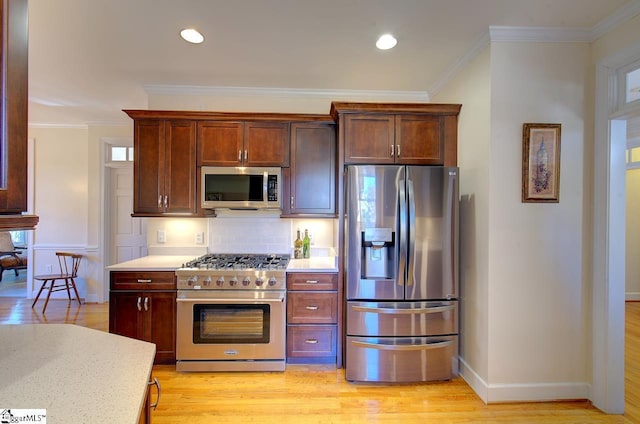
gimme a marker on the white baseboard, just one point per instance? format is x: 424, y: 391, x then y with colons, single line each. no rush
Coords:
x: 632, y: 296
x: 521, y: 392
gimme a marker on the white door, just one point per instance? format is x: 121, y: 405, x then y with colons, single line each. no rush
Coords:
x: 128, y: 235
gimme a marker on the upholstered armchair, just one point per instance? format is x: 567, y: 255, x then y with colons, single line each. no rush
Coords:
x: 10, y: 257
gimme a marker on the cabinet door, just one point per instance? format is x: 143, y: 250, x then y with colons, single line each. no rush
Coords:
x: 125, y: 314
x: 148, y: 169
x: 419, y: 140
x: 369, y: 138
x: 266, y: 144
x: 219, y: 143
x: 159, y: 311
x: 13, y: 113
x: 180, y: 167
x: 313, y: 170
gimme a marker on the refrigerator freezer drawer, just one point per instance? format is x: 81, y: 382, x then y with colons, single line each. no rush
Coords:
x: 408, y: 319
x: 401, y: 360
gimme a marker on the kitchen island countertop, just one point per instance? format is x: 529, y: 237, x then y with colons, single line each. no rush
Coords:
x: 79, y: 375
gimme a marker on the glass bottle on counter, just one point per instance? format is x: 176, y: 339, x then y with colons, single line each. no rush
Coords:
x: 297, y: 247
x: 306, y: 253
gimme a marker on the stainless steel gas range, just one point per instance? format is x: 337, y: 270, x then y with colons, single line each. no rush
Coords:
x: 231, y: 313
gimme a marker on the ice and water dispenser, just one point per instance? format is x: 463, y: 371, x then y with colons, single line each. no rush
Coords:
x: 377, y: 253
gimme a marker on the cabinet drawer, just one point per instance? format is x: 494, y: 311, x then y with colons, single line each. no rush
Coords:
x: 143, y: 280
x: 305, y: 341
x: 312, y: 281
x: 312, y: 308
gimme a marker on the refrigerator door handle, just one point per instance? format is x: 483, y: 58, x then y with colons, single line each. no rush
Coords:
x: 410, y: 236
x: 402, y: 231
x: 428, y: 346
x: 395, y: 311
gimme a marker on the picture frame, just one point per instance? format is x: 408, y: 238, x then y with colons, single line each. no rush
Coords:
x: 541, y: 163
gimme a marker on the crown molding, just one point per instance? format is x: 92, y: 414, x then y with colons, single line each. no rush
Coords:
x: 539, y: 34
x: 478, y: 46
x: 195, y: 90
x: 616, y: 19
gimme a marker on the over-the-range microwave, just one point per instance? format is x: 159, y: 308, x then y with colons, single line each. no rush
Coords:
x: 241, y: 187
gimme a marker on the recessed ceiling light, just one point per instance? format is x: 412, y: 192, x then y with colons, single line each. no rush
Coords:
x: 191, y: 35
x: 386, y: 42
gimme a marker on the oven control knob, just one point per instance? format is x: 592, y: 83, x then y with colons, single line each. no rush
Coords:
x: 220, y: 281
x: 206, y: 281
x: 233, y: 281
x: 246, y: 281
x: 191, y: 281
x: 273, y: 281
x: 259, y: 281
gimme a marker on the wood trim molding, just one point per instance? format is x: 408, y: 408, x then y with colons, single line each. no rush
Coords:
x: 18, y: 222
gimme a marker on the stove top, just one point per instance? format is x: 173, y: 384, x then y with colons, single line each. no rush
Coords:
x: 234, y: 272
x: 232, y: 261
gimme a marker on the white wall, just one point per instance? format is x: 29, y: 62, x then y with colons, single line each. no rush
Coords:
x: 633, y: 235
x: 529, y: 335
x: 472, y: 88
x: 67, y: 199
x: 538, y: 296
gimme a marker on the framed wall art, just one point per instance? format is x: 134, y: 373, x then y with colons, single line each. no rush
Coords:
x: 541, y: 163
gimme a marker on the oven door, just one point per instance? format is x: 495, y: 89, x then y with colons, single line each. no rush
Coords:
x: 230, y: 325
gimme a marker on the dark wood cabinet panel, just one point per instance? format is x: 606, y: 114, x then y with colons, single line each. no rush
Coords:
x: 369, y: 138
x: 312, y: 317
x: 148, y: 169
x: 312, y: 175
x: 13, y: 121
x: 419, y: 140
x: 219, y: 143
x: 266, y: 144
x: 312, y: 308
x: 223, y: 143
x: 180, y: 167
x: 309, y: 341
x: 147, y: 314
x: 390, y: 133
x: 312, y: 281
x: 160, y: 324
x: 164, y: 167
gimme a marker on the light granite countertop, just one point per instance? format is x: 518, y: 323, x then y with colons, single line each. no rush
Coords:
x: 171, y: 263
x: 77, y: 374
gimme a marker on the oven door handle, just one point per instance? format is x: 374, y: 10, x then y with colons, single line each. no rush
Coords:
x: 229, y: 301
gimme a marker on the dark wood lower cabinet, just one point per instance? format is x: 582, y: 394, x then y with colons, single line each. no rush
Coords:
x: 312, y: 316
x: 145, y: 314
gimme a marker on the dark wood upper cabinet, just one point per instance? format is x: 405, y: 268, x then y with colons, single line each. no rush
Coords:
x: 13, y: 121
x: 164, y: 167
x: 222, y: 143
x: 311, y: 188
x: 390, y: 133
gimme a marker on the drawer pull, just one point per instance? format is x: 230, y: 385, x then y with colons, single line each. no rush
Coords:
x: 312, y: 281
x: 312, y: 307
x: 311, y: 341
x: 144, y: 281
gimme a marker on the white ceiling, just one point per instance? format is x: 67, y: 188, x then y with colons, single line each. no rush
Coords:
x: 89, y: 59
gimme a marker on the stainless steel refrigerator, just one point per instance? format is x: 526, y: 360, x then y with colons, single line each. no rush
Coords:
x: 401, y: 273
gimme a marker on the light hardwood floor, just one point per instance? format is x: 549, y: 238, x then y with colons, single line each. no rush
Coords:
x: 320, y: 394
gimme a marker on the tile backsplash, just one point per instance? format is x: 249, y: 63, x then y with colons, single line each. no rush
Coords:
x: 237, y: 233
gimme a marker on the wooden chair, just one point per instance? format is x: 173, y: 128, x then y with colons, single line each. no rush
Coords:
x: 10, y: 256
x: 69, y: 264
